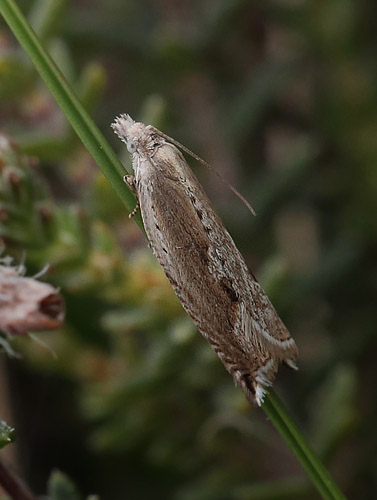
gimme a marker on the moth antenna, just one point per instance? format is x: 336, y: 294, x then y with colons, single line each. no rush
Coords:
x: 203, y: 162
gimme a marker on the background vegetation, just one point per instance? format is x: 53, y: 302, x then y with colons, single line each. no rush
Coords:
x: 279, y: 96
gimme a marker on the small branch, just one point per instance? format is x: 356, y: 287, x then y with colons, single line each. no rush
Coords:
x: 13, y: 485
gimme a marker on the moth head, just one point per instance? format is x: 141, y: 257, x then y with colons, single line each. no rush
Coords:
x: 121, y: 126
x: 135, y: 135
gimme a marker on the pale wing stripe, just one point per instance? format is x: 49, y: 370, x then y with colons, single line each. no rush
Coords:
x: 284, y: 344
x: 248, y: 325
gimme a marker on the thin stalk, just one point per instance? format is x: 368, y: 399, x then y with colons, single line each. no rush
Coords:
x: 113, y: 170
x: 310, y: 462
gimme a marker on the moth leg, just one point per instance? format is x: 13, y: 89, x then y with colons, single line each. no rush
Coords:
x: 134, y: 211
x: 130, y: 181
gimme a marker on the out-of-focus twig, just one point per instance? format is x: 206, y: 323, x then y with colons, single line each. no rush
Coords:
x: 15, y: 488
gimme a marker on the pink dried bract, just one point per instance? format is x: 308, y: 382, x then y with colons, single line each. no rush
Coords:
x: 27, y: 305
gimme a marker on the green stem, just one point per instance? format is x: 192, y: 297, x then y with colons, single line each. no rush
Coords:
x: 113, y: 170
x: 84, y: 126
x: 310, y: 462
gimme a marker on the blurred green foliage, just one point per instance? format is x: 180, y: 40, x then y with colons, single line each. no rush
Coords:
x: 7, y: 435
x: 280, y: 97
x: 60, y: 487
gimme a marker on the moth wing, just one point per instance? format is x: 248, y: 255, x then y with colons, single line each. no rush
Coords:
x: 210, y: 276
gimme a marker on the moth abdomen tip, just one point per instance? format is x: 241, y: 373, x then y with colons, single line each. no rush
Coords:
x: 260, y: 394
x: 291, y: 363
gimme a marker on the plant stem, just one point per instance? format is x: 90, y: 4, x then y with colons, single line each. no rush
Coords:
x: 113, y: 170
x: 310, y: 462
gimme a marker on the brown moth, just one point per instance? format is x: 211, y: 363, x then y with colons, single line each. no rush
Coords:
x: 202, y: 263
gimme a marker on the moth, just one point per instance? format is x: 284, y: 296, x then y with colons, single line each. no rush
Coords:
x: 202, y: 263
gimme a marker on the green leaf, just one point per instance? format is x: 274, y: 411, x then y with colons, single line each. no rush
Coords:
x: 7, y: 435
x: 60, y: 487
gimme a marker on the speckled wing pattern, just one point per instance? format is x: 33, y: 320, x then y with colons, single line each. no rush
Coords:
x: 203, y: 265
